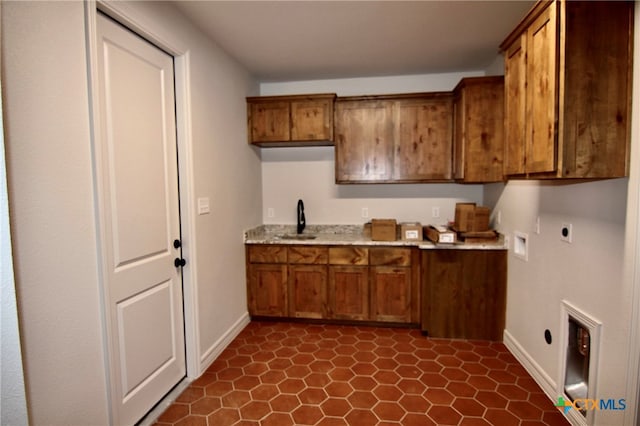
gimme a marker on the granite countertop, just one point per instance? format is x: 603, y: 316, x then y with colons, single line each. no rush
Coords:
x: 347, y: 235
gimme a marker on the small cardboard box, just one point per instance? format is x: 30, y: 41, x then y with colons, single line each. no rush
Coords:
x: 383, y: 229
x: 464, y: 216
x: 440, y: 234
x: 411, y: 231
x: 480, y: 219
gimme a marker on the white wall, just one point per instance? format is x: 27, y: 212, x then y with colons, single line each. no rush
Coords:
x: 590, y: 273
x: 51, y: 207
x: 308, y: 173
x: 49, y: 173
x: 13, y: 402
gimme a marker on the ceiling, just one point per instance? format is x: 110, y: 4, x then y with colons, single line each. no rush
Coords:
x: 308, y: 40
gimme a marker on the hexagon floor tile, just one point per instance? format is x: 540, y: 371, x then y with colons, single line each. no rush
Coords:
x: 278, y: 373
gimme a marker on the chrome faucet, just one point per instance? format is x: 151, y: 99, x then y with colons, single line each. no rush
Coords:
x: 301, y: 220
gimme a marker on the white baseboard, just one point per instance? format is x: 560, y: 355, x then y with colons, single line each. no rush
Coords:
x: 548, y: 385
x: 219, y: 345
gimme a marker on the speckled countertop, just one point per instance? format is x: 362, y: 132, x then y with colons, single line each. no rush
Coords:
x: 346, y: 235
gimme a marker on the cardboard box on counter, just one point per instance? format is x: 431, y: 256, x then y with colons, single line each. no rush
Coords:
x: 383, y: 229
x: 479, y: 237
x: 471, y: 218
x: 481, y: 219
x: 440, y: 234
x: 464, y: 216
x: 411, y: 231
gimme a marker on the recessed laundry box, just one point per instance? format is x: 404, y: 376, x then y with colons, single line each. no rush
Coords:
x: 581, y: 344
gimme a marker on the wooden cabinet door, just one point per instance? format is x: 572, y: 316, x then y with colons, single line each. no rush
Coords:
x: 595, y: 103
x: 515, y: 107
x: 541, y: 97
x: 269, y: 121
x: 364, y: 141
x: 485, y: 293
x: 442, y: 294
x: 312, y: 120
x: 479, y: 130
x: 349, y: 292
x: 307, y: 291
x: 390, y: 294
x: 267, y: 290
x: 464, y: 293
x: 423, y: 141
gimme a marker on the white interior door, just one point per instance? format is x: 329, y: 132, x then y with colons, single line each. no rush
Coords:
x: 139, y: 210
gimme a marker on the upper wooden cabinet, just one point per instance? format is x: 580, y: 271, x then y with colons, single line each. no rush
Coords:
x: 478, y: 130
x: 394, y: 138
x: 301, y: 120
x: 568, y: 91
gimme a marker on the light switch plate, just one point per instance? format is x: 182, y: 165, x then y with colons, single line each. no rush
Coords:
x: 203, y: 205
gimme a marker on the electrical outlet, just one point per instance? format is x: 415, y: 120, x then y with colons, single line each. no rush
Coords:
x: 271, y: 212
x: 537, y: 225
x: 435, y: 212
x: 365, y: 212
x: 499, y: 217
x: 566, y: 233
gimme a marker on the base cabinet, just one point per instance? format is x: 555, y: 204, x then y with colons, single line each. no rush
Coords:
x: 267, y: 281
x: 349, y: 292
x: 391, y: 293
x: 268, y: 286
x: 337, y: 283
x: 464, y: 293
x: 308, y: 291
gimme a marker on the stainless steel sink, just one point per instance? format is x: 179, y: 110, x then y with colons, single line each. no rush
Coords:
x: 296, y: 237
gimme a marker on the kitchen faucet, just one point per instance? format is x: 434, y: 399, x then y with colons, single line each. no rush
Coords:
x: 301, y: 220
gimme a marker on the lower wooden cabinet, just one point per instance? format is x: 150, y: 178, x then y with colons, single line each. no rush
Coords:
x: 464, y: 293
x: 267, y: 290
x: 391, y: 293
x: 308, y: 291
x: 339, y: 282
x: 349, y: 292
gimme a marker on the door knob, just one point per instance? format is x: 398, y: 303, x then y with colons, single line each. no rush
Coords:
x: 176, y: 243
x: 179, y: 262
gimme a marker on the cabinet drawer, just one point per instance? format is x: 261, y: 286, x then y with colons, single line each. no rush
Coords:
x: 308, y: 255
x: 267, y: 254
x: 348, y: 256
x: 390, y: 256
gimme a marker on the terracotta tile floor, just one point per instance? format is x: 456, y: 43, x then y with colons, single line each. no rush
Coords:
x: 299, y: 374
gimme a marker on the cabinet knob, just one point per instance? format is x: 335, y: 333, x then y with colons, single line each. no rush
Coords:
x: 179, y: 262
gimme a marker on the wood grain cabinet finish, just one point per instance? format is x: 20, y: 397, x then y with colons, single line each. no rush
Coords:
x: 393, y: 291
x: 268, y: 290
x: 364, y: 140
x: 300, y: 120
x: 307, y: 281
x: 464, y: 293
x: 423, y: 140
x: 478, y: 130
x: 349, y: 292
x: 568, y: 91
x: 349, y: 283
x: 338, y: 283
x: 267, y: 280
x: 308, y: 291
x: 394, y: 138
